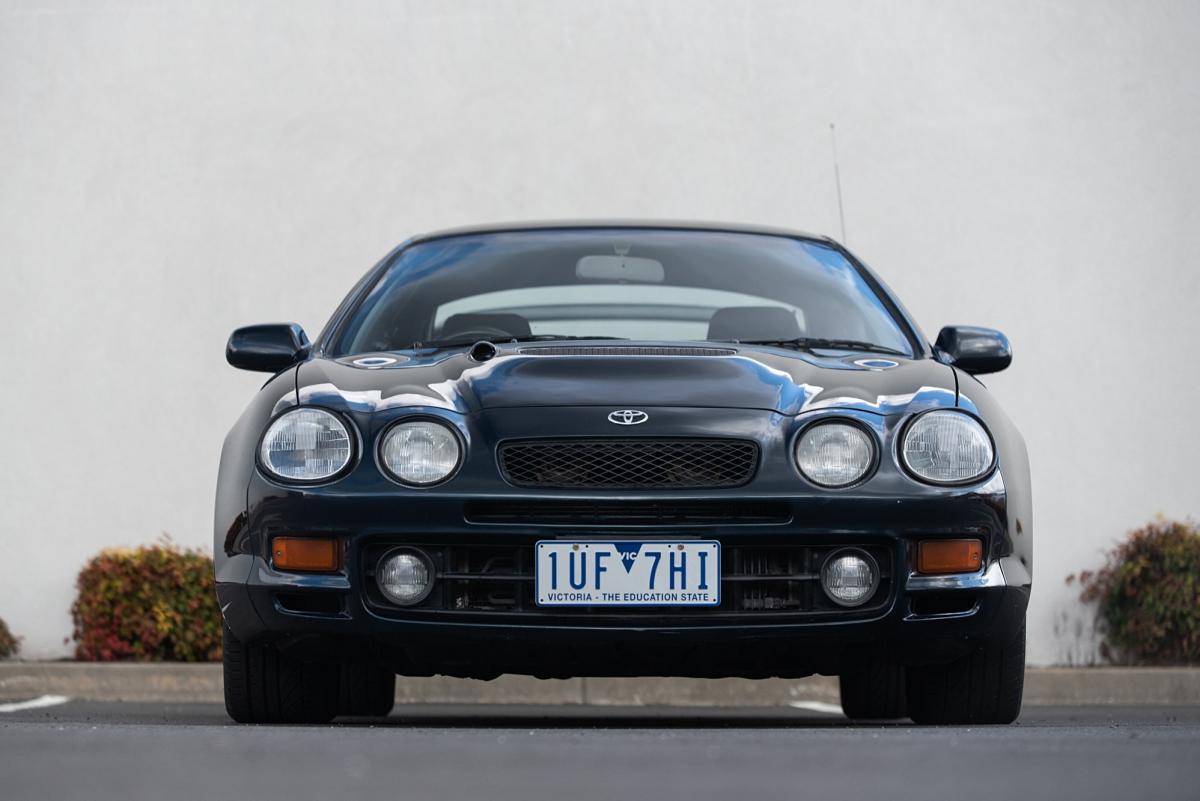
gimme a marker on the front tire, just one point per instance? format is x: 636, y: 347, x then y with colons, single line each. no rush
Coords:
x: 368, y: 690
x: 263, y: 685
x: 985, y: 686
x: 873, y: 689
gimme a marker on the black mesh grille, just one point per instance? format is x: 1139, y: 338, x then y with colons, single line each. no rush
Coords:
x: 626, y: 350
x: 629, y: 463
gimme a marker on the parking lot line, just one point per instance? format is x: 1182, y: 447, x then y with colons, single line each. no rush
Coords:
x: 35, y: 703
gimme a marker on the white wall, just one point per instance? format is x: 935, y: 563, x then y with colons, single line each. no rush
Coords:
x: 169, y: 171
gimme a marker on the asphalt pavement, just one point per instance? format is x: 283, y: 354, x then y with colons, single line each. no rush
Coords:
x: 105, y: 751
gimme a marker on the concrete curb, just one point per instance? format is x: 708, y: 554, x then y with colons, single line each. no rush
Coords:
x: 184, y: 683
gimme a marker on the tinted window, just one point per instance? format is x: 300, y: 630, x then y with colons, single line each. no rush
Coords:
x: 659, y: 285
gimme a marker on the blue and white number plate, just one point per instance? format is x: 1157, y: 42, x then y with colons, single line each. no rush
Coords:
x: 628, y: 573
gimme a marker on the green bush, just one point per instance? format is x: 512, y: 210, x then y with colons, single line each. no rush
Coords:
x: 1148, y: 594
x: 147, y: 604
x: 9, y: 645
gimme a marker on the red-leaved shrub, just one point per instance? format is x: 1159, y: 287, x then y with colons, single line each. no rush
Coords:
x: 9, y: 645
x: 1148, y: 594
x: 145, y: 604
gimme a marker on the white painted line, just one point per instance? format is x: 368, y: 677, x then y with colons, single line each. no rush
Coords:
x: 36, y: 703
x: 817, y: 706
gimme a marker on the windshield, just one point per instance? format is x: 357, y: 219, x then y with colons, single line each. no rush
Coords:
x: 638, y: 284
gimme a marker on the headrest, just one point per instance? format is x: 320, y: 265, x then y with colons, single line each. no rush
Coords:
x: 458, y: 324
x: 754, y: 322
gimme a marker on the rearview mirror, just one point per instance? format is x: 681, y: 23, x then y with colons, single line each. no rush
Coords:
x: 620, y: 268
x: 267, y: 348
x: 975, y: 350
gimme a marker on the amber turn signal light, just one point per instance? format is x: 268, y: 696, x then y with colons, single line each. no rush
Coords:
x: 949, y: 556
x: 312, y: 554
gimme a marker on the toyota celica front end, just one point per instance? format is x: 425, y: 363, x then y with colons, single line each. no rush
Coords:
x: 617, y: 449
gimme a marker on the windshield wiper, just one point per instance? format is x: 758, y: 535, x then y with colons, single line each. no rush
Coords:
x: 499, y: 340
x: 810, y: 343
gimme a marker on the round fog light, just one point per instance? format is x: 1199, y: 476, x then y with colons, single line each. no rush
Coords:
x: 849, y: 578
x: 404, y: 577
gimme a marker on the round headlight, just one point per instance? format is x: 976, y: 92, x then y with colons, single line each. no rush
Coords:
x: 421, y: 452
x: 849, y: 578
x: 306, y: 445
x: 834, y: 454
x: 404, y: 577
x: 947, y: 447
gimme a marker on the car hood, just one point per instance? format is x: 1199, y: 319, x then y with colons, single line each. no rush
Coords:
x: 630, y: 376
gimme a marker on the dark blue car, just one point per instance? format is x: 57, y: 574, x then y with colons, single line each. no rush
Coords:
x: 623, y: 449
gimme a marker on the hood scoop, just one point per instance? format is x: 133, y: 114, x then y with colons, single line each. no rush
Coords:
x: 625, y: 350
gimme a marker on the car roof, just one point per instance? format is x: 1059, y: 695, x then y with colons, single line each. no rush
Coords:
x: 667, y: 225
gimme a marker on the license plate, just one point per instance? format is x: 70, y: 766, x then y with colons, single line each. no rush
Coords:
x: 628, y: 573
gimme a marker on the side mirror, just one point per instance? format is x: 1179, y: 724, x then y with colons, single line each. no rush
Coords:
x: 976, y: 350
x: 267, y: 348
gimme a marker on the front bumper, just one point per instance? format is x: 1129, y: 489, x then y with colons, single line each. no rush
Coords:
x: 334, y: 616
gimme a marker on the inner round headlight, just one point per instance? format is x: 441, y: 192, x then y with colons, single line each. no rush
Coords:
x: 834, y: 454
x: 947, y: 447
x: 849, y: 578
x: 404, y: 577
x: 420, y: 452
x: 306, y: 445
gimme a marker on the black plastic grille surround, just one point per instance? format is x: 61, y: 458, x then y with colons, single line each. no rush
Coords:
x: 628, y: 463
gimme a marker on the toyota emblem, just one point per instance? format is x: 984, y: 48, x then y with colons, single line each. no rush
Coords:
x: 627, y: 417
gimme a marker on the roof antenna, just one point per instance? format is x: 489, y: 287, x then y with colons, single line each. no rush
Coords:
x: 837, y: 179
